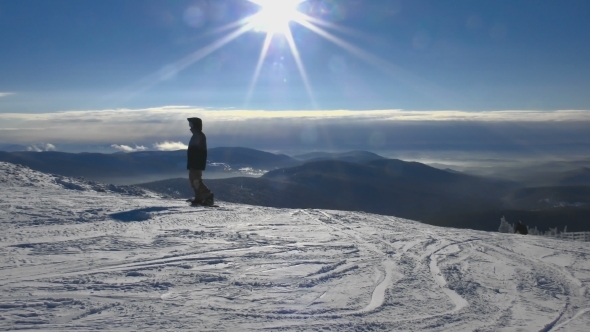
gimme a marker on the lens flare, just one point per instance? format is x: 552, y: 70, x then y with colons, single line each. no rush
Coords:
x: 275, y: 16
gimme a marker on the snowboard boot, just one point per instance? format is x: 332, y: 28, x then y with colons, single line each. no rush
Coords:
x: 209, y: 201
x: 196, y: 200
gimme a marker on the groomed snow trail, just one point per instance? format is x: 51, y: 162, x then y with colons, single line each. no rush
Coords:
x: 80, y: 256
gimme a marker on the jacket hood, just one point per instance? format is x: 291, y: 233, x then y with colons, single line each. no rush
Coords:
x: 197, y: 124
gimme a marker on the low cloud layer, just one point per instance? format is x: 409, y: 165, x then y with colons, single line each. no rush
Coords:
x: 127, y: 148
x: 172, y: 114
x: 166, y: 128
x: 170, y: 146
x: 41, y: 147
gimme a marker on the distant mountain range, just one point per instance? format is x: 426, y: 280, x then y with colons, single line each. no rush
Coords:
x: 136, y: 167
x: 559, y: 172
x: 544, y: 198
x: 118, y: 168
x: 384, y: 186
x: 403, y: 189
x: 576, y: 177
x: 352, y: 156
x: 12, y: 147
x: 354, y: 181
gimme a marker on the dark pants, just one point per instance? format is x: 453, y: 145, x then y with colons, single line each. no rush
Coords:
x: 195, y: 177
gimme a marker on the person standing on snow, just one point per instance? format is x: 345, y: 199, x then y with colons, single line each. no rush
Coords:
x: 196, y: 163
x: 521, y: 228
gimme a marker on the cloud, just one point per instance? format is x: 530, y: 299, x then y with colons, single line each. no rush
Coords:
x: 178, y: 114
x: 127, y: 148
x: 6, y: 94
x: 386, y: 130
x: 170, y: 146
x: 41, y: 147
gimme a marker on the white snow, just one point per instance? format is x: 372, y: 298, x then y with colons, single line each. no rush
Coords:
x: 78, y: 255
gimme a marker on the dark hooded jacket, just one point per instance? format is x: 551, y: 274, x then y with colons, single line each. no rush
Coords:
x: 197, y: 147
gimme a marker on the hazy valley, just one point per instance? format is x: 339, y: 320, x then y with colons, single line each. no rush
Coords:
x: 352, y: 181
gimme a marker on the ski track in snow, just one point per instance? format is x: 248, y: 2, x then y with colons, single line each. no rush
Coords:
x: 77, y: 255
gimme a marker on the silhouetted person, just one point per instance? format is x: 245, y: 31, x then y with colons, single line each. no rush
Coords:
x: 521, y: 228
x: 196, y: 163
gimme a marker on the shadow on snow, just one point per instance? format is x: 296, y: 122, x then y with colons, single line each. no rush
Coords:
x: 137, y: 215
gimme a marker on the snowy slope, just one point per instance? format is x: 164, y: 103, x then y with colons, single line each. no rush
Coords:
x: 77, y: 255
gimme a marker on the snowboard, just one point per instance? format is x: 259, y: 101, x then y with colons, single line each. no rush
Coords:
x: 203, y: 203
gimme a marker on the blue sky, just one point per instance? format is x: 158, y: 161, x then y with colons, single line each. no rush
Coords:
x: 426, y: 55
x: 462, y: 54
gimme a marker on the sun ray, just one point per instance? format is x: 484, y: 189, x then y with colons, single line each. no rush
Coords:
x: 300, y: 66
x: 229, y: 26
x: 180, y: 65
x: 261, y: 59
x: 300, y: 16
x: 304, y: 21
x: 274, y: 19
x: 203, y: 52
x: 411, y: 80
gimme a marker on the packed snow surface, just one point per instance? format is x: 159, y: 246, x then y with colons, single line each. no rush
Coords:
x: 77, y: 255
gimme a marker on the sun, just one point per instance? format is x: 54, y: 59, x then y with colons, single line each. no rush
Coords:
x: 275, y: 15
x: 274, y: 18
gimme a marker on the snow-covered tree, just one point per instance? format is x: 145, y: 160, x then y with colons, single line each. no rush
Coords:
x: 534, y: 231
x: 552, y: 232
x: 505, y: 227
